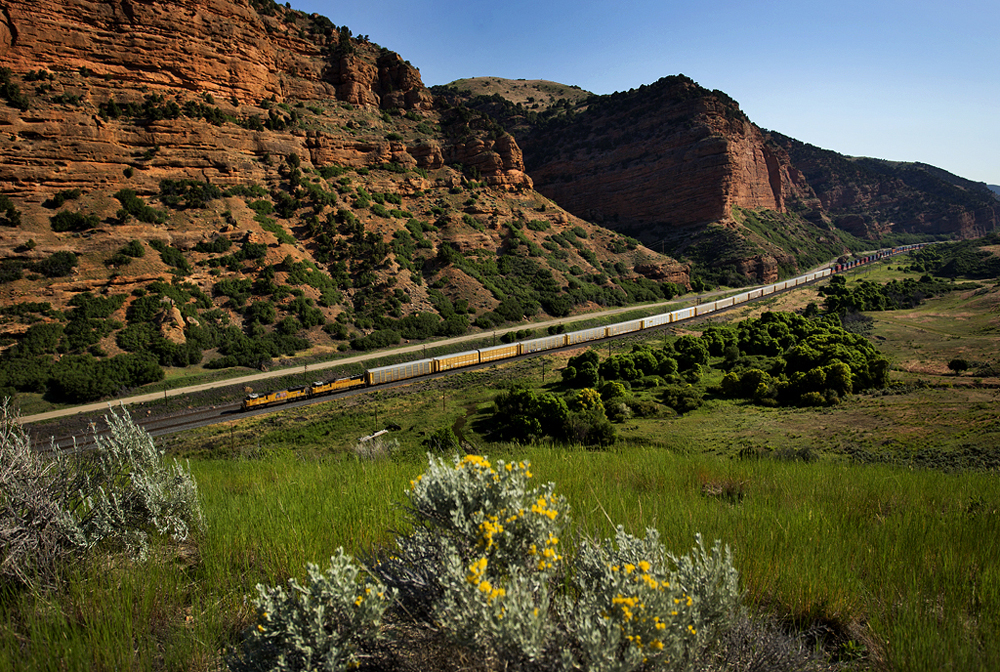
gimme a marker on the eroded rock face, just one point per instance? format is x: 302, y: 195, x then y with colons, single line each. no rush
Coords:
x: 679, y: 274
x: 140, y: 95
x: 223, y: 47
x: 870, y: 198
x: 668, y: 156
x: 762, y: 266
x: 500, y: 161
x: 222, y: 55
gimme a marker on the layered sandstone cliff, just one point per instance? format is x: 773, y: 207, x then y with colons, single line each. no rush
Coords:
x: 223, y: 47
x: 870, y: 198
x: 665, y: 156
x: 224, y: 56
x: 670, y: 164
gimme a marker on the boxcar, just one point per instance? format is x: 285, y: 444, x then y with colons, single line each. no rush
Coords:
x: 584, y: 335
x: 394, y: 372
x: 624, y: 327
x: 497, y: 352
x: 543, y: 343
x: 656, y: 320
x: 455, y: 361
x: 683, y: 314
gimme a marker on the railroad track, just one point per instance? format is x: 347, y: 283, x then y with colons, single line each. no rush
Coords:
x: 193, y: 418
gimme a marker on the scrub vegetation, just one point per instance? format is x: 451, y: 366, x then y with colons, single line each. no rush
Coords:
x: 856, y: 528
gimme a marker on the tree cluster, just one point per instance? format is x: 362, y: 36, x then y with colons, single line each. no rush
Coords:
x: 867, y: 295
x: 787, y: 359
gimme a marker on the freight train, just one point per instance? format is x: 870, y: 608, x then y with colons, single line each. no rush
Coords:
x: 426, y: 367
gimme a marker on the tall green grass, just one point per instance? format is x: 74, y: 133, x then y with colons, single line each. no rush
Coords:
x: 904, y: 563
x: 901, y: 565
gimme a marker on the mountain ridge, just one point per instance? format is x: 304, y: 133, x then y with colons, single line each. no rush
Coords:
x: 317, y: 199
x: 667, y: 163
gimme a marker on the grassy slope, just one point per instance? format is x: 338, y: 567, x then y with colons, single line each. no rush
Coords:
x: 899, y: 565
x: 534, y: 94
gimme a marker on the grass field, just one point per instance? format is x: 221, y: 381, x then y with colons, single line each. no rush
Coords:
x: 871, y: 525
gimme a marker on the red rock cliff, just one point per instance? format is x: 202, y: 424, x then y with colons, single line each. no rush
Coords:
x: 223, y: 47
x: 221, y: 53
x: 668, y: 155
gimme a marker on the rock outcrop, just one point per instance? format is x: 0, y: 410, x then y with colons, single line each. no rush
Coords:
x: 228, y: 61
x: 224, y: 140
x: 870, y: 198
x: 667, y: 162
x: 222, y: 47
x: 665, y: 156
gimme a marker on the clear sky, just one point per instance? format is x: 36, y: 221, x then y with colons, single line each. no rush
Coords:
x: 911, y: 80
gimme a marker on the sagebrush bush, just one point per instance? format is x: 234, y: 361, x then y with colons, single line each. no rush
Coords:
x: 61, y: 506
x: 486, y: 571
x: 323, y: 625
x: 482, y: 562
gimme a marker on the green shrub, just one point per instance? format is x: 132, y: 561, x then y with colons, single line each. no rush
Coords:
x: 82, y: 378
x: 376, y: 340
x: 57, y: 265
x: 11, y: 92
x: 682, y: 398
x: 217, y: 246
x: 271, y: 225
x: 171, y: 256
x: 324, y: 624
x: 538, y: 225
x: 133, y: 249
x: 73, y: 221
x: 958, y: 365
x: 261, y: 311
x: 62, y: 508
x: 9, y: 214
x: 61, y: 197
x: 188, y: 193
x: 134, y: 206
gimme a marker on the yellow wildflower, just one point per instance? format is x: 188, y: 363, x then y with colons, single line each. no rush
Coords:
x: 476, y: 570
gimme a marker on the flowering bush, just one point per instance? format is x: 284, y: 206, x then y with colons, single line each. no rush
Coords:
x: 638, y: 605
x: 323, y: 625
x: 481, y: 560
x: 486, y: 570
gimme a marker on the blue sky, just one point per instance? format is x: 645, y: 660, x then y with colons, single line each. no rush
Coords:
x: 906, y: 81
